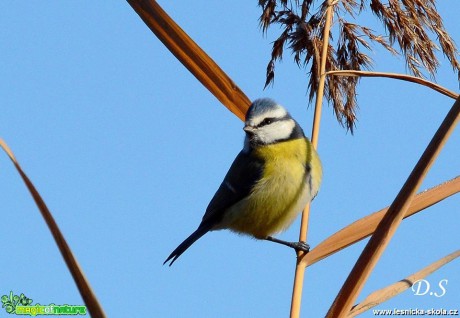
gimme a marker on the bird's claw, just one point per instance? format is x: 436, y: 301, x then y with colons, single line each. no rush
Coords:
x: 301, y: 246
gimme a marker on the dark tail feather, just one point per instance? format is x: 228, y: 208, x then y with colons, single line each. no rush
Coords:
x: 186, y: 244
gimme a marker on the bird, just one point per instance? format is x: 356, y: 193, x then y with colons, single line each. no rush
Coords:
x: 274, y: 176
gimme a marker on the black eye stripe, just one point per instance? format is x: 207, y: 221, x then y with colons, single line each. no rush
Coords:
x: 270, y: 120
x: 267, y: 121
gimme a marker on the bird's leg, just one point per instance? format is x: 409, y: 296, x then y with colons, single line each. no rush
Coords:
x: 298, y: 246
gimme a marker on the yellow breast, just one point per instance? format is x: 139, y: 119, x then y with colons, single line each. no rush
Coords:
x: 285, y: 187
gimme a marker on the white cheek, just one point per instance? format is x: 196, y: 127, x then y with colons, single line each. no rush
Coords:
x: 276, y: 131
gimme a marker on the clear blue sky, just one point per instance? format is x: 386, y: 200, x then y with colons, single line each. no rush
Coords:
x: 127, y: 149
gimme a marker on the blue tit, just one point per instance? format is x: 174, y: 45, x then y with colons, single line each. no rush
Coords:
x: 270, y: 181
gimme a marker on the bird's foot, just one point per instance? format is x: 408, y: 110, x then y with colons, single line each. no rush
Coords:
x: 298, y: 246
x: 301, y: 246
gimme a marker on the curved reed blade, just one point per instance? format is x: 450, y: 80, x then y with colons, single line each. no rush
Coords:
x: 91, y: 302
x: 401, y: 77
x: 382, y: 295
x: 365, y: 226
x: 390, y: 222
x: 192, y: 56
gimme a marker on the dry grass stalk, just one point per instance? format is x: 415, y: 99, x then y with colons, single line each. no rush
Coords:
x: 407, y: 24
x: 390, y: 222
x: 192, y: 56
x: 366, y: 226
x: 382, y: 295
x: 91, y: 302
x: 300, y: 269
x: 402, y: 77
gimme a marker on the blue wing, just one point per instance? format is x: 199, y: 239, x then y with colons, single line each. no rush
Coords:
x: 244, y: 172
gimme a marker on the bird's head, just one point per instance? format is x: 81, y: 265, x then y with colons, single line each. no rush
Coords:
x: 267, y: 122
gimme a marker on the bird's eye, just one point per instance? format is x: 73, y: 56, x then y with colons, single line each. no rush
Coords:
x: 266, y: 121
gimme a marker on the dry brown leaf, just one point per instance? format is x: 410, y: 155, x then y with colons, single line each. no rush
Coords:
x: 365, y: 226
x: 192, y: 56
x: 382, y: 295
x: 91, y: 302
x: 390, y: 222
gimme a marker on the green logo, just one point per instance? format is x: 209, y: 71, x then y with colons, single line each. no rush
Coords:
x: 21, y: 305
x: 10, y: 303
